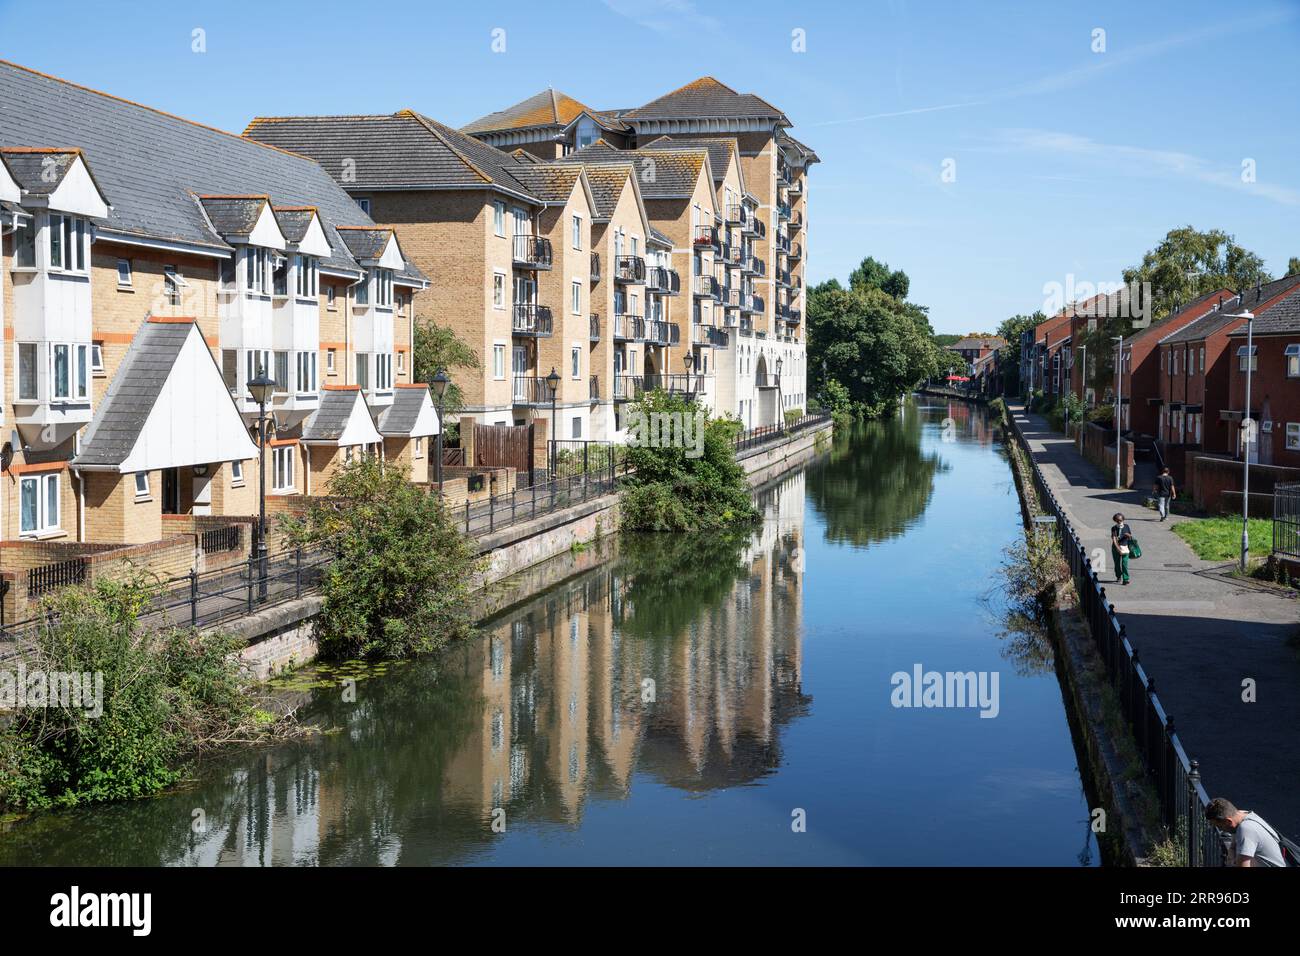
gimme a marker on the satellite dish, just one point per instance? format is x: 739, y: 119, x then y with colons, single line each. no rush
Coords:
x: 6, y: 456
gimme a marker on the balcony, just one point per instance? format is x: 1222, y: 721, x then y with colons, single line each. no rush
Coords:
x: 732, y: 254
x: 628, y: 387
x: 629, y: 328
x: 735, y: 214
x: 595, y: 267
x: 783, y: 276
x: 531, y: 390
x: 595, y: 328
x: 731, y: 297
x: 767, y: 380
x: 709, y: 337
x: 663, y: 281
x: 593, y: 387
x: 629, y: 269
x: 707, y: 237
x: 796, y: 187
x: 531, y: 319
x: 796, y: 221
x: 783, y: 176
x: 747, y: 328
x: 750, y: 303
x: 707, y: 287
x: 795, y: 252
x: 794, y: 316
x: 532, y: 252
x: 753, y: 265
x: 783, y: 210
x: 782, y: 242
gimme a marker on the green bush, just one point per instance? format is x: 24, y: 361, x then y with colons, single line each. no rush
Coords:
x: 792, y: 415
x: 669, y: 490
x: 400, y: 584
x: 166, y: 696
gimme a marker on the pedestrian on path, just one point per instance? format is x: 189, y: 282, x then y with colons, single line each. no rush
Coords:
x: 1120, y: 537
x: 1254, y: 842
x: 1165, y: 492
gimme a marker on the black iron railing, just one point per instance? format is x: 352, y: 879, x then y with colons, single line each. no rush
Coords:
x: 595, y: 327
x: 50, y: 577
x: 531, y: 319
x: 629, y: 328
x: 765, y: 434
x: 595, y: 267
x: 219, y: 540
x: 1286, y: 518
x: 629, y: 269
x: 532, y: 252
x: 663, y: 281
x: 531, y: 390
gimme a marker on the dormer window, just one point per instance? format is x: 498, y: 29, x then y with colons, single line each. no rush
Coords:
x: 68, y: 236
x: 306, y: 283
x: 384, y: 288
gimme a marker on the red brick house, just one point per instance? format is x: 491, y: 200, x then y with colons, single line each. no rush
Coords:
x: 1275, y: 377
x: 1050, y: 337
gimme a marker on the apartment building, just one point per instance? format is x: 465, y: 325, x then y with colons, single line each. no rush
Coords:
x: 509, y: 239
x: 151, y: 267
x: 1274, y: 362
x: 759, y: 209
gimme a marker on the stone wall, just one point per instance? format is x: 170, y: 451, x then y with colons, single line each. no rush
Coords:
x: 1099, y: 448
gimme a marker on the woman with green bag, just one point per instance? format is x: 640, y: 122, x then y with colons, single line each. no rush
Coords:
x: 1121, y: 547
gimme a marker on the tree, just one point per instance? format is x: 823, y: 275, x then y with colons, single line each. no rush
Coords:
x: 1011, y: 328
x: 876, y: 275
x: 436, y: 347
x: 1188, y: 264
x: 1293, y: 266
x: 399, y: 584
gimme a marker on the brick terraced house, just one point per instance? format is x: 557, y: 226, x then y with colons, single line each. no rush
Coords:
x: 152, y: 266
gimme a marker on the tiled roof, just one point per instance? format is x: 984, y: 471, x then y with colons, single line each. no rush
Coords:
x: 331, y: 416
x: 234, y: 215
x: 549, y: 182
x: 402, y: 150
x: 721, y: 149
x: 1275, y: 305
x: 365, y: 243
x: 809, y: 156
x: 979, y: 342
x: 1161, y: 329
x: 149, y: 164
x: 661, y: 173
x: 294, y: 220
x: 39, y: 171
x: 401, y: 417
x: 607, y: 181
x: 547, y: 108
x: 705, y: 98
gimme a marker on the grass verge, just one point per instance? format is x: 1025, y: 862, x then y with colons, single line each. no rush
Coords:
x: 1219, y: 539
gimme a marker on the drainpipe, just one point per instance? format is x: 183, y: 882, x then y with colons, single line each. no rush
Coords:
x: 81, y: 504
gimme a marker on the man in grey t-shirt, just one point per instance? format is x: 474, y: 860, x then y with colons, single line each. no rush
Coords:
x: 1255, y: 843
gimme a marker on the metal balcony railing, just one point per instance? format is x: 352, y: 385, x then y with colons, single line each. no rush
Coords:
x: 593, y: 387
x: 707, y: 287
x: 532, y: 252
x: 795, y: 251
x: 531, y: 390
x: 707, y: 236
x: 710, y: 337
x: 656, y: 331
x: 595, y: 327
x: 736, y: 214
x: 629, y: 387
x: 595, y: 267
x: 730, y: 297
x: 783, y: 210
x: 629, y: 328
x: 754, y: 266
x: 663, y: 281
x: 531, y: 319
x: 747, y: 327
x: 629, y: 269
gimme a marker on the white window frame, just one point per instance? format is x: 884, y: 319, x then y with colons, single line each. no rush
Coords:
x: 282, y: 478
x: 364, y: 203
x: 418, y: 450
x: 575, y: 362
x: 1292, y: 355
x: 236, y: 473
x: 97, y: 357
x: 499, y: 361
x: 575, y: 297
x: 73, y: 234
x: 124, y: 276
x: 330, y: 360
x: 1293, y: 436
x: 1254, y: 358
x: 577, y: 232
x: 499, y: 218
x: 498, y: 290
x: 45, y: 522
x: 141, y: 485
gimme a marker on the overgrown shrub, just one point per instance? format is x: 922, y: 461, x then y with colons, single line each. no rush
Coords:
x: 166, y: 696
x: 400, y: 584
x: 671, y: 490
x: 792, y: 415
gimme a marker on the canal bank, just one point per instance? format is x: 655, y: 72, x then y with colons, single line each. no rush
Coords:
x: 522, y: 559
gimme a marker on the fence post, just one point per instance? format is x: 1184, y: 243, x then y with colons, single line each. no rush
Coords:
x: 492, y: 511
x: 194, y: 598
x: 1193, y: 778
x: 297, y: 572
x: 252, y: 574
x: 467, y: 510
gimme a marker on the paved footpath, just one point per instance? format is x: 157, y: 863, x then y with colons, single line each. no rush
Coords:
x: 1199, y: 634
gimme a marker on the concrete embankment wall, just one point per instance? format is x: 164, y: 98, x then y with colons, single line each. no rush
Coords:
x: 522, y: 560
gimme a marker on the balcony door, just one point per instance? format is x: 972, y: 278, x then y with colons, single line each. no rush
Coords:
x: 171, y: 491
x: 525, y: 291
x: 519, y: 365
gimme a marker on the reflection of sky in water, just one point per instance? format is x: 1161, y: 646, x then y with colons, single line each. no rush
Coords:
x: 679, y: 706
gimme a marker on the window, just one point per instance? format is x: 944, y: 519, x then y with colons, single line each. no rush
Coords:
x: 236, y: 472
x: 174, y: 283
x: 283, y: 472
x: 575, y: 297
x: 363, y: 291
x: 577, y: 232
x: 229, y: 274
x: 577, y: 426
x: 27, y: 358
x: 306, y: 285
x: 258, y: 361
x: 256, y: 264
x: 25, y: 245
x: 1292, y: 353
x: 1202, y: 359
x: 124, y: 272
x: 384, y: 288
x: 230, y: 370
x: 330, y: 292
x: 1293, y: 436
x: 499, y: 218
x: 61, y: 378
x: 365, y: 205
x: 575, y: 361
x: 67, y: 243
x: 282, y: 371
x: 142, y: 484
x: 383, y: 371
x: 39, y: 504
x: 329, y: 361
x: 401, y: 362
x: 280, y: 276
x: 1254, y: 358
x: 498, y: 361
x: 363, y: 370
x: 419, y: 448
x: 97, y: 356
x: 83, y: 371
x: 498, y: 290
x: 306, y: 372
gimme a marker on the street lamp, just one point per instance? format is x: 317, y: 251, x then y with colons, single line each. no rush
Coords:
x: 780, y: 411
x: 553, y: 386
x: 440, y: 382
x: 688, y: 359
x: 1119, y: 401
x: 1248, y: 427
x: 260, y: 390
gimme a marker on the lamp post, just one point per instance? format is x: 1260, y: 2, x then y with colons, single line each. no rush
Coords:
x: 260, y: 390
x: 1119, y: 401
x: 440, y: 382
x: 1248, y: 434
x: 780, y: 410
x: 553, y: 386
x: 688, y: 360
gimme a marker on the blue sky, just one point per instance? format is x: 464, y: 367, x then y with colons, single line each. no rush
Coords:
x: 1067, y: 162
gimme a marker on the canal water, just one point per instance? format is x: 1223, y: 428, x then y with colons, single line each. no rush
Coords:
x: 694, y: 701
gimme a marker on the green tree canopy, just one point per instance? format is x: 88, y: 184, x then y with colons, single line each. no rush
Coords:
x: 1187, y: 264
x: 877, y: 275
x: 1293, y: 266
x: 436, y: 347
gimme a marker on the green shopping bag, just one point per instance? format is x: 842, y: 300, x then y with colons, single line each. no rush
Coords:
x: 1133, y: 550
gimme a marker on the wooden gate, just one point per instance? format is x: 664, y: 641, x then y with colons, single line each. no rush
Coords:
x: 505, y: 446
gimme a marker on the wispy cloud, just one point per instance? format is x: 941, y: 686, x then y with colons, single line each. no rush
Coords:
x: 875, y: 116
x: 663, y: 16
x: 1141, y: 161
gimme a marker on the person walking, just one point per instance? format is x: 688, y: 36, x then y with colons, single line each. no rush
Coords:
x: 1120, y: 536
x: 1165, y: 492
x: 1254, y: 842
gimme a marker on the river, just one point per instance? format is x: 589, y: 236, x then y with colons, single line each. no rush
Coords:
x: 693, y: 701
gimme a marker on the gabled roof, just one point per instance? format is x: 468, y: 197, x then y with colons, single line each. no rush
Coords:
x: 150, y: 163
x: 805, y: 153
x: 706, y: 98
x: 660, y: 173
x: 547, y: 108
x: 342, y: 418
x: 60, y: 177
x: 659, y: 238
x: 554, y: 184
x: 411, y: 415
x: 1275, y: 305
x: 404, y: 150
x: 722, y: 150
x: 146, y: 420
x: 607, y: 181
x: 1183, y: 316
x: 994, y: 342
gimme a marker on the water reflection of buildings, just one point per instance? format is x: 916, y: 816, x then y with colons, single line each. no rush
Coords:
x: 582, y: 688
